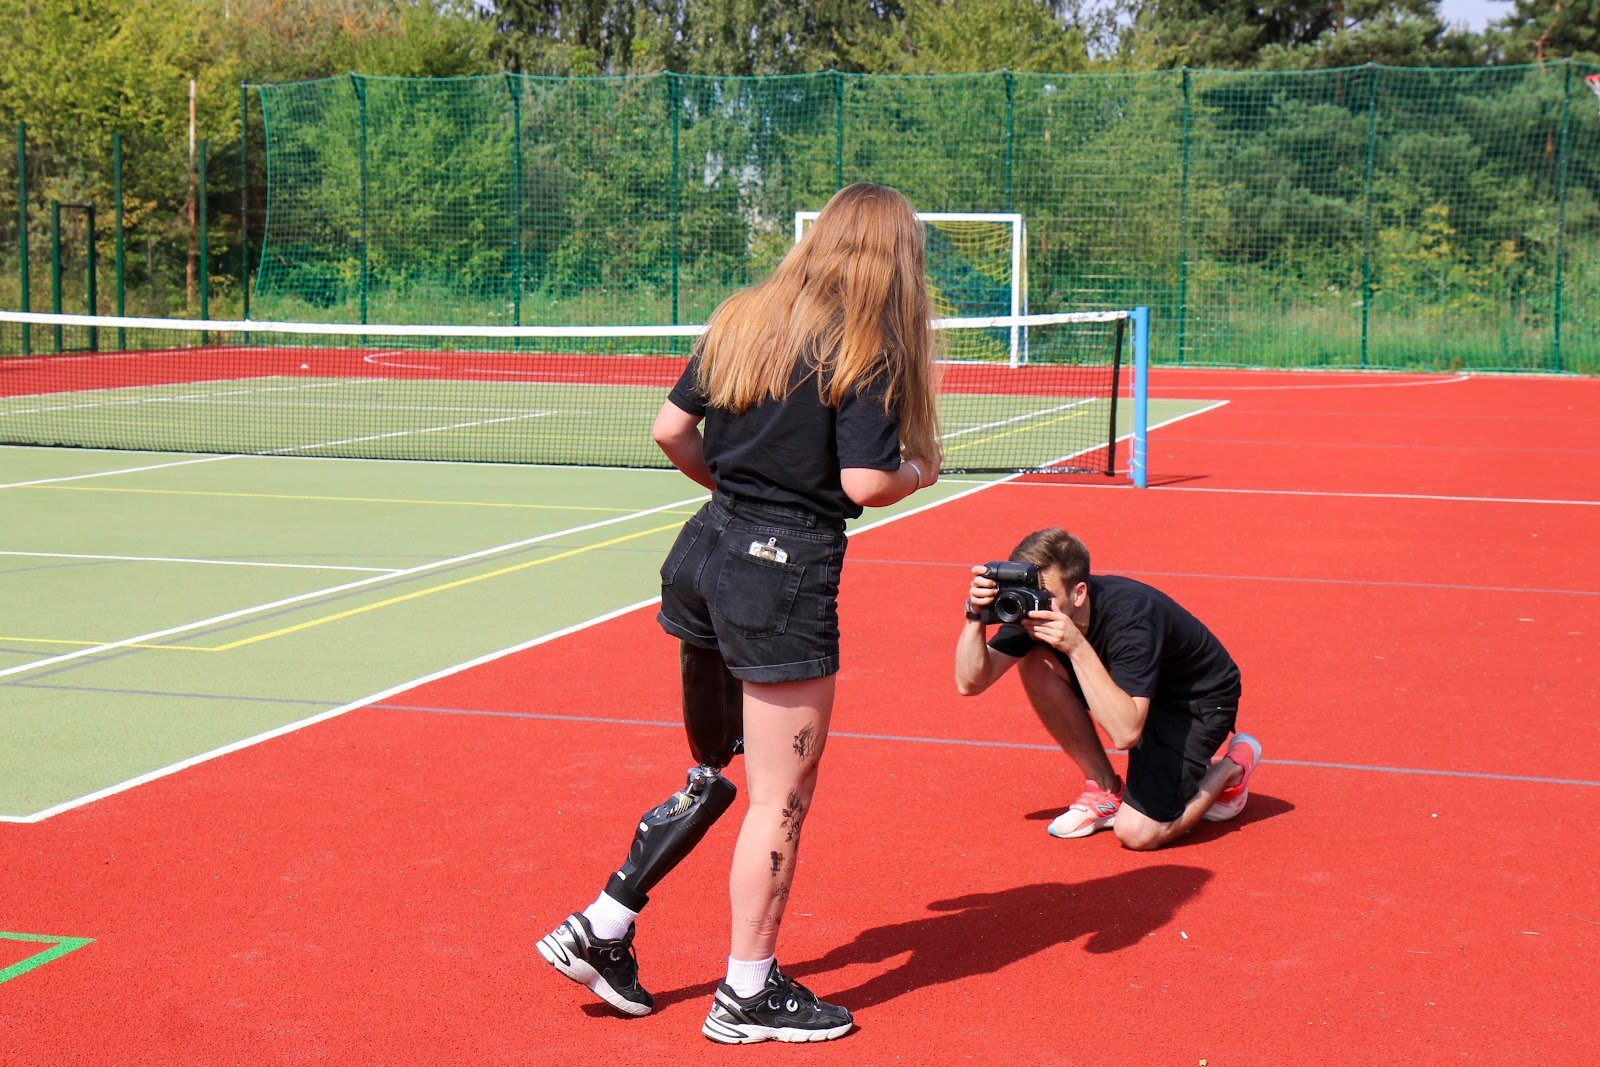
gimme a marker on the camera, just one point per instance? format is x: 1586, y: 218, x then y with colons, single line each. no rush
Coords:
x: 1019, y: 592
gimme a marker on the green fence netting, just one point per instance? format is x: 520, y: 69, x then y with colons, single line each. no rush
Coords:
x: 1368, y: 216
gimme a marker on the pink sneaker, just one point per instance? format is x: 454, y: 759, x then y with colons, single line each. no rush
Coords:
x: 1095, y: 809
x: 1246, y: 752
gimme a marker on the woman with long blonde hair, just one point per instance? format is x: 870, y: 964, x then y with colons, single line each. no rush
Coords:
x: 816, y: 388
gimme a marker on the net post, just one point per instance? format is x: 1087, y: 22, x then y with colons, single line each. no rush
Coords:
x: 1138, y: 471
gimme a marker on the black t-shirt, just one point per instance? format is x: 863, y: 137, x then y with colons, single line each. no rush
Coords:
x: 1150, y: 645
x: 790, y: 451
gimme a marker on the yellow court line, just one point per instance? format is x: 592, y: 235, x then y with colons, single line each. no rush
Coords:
x: 441, y: 588
x: 87, y: 644
x: 1029, y: 428
x: 339, y: 499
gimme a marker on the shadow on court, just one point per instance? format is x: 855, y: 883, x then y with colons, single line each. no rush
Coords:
x: 983, y: 932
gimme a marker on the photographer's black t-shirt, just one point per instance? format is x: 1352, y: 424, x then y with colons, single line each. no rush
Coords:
x: 790, y: 451
x: 1150, y: 645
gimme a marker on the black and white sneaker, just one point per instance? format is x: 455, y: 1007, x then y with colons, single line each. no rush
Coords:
x: 784, y: 1010
x: 610, y: 968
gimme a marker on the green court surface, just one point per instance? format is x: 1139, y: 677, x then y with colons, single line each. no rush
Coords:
x: 159, y: 607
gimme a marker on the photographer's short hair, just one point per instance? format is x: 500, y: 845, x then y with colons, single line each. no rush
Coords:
x: 1056, y: 548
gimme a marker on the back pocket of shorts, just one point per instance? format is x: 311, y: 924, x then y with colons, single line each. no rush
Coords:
x: 756, y: 596
x: 688, y: 537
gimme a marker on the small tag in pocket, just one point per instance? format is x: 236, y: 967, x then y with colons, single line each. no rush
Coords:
x: 770, y: 550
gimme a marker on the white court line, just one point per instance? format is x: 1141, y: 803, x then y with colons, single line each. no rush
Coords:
x: 1340, y: 493
x: 490, y: 657
x: 113, y: 473
x: 1024, y: 417
x: 408, y: 432
x: 1301, y: 387
x: 248, y: 742
x: 182, y: 398
x: 205, y: 562
x: 316, y: 594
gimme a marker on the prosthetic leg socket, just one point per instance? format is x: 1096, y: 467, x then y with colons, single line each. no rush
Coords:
x: 668, y: 832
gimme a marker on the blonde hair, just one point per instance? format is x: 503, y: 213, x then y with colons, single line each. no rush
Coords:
x: 851, y: 299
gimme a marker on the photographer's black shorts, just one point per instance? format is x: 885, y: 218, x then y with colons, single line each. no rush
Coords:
x: 1174, y: 753
x: 773, y: 621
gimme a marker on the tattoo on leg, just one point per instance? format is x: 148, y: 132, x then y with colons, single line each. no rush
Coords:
x: 794, y: 814
x: 803, y: 741
x: 777, y: 863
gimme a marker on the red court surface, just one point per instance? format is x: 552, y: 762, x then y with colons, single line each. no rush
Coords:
x: 1413, y: 881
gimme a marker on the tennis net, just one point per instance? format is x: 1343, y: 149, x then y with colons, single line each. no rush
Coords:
x: 578, y: 395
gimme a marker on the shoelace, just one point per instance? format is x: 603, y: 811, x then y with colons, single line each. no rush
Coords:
x: 623, y: 947
x: 787, y: 987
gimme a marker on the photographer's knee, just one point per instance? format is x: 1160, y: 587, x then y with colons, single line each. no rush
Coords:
x: 1137, y: 832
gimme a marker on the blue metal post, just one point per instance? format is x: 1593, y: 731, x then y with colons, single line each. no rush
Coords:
x: 1138, y: 469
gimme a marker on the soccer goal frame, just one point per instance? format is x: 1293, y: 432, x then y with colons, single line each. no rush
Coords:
x: 1018, y: 297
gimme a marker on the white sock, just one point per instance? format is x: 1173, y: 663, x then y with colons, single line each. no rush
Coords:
x: 748, y: 977
x: 608, y: 919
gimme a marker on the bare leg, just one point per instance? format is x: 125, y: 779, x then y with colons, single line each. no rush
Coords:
x: 785, y: 727
x: 1065, y: 716
x: 1141, y: 833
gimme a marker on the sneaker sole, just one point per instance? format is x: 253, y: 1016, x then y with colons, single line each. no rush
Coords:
x: 730, y: 1033
x: 1084, y: 829
x: 557, y: 956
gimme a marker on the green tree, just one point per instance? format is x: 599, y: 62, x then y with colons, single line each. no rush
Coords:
x: 1238, y: 34
x: 972, y: 36
x: 1539, y: 30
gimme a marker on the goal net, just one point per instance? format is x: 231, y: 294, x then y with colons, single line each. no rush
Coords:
x: 977, y: 268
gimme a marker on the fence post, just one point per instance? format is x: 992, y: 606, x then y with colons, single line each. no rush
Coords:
x: 675, y: 197
x: 55, y: 270
x: 1561, y: 212
x: 1366, y: 237
x: 514, y: 88
x: 204, y: 264
x: 22, y: 231
x: 838, y: 136
x: 361, y: 206
x: 1183, y: 221
x: 91, y: 282
x: 119, y: 250
x: 1008, y: 197
x: 244, y: 198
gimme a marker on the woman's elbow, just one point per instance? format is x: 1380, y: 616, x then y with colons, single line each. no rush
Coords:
x: 867, y: 487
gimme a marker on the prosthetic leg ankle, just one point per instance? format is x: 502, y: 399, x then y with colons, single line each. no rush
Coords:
x: 713, y: 717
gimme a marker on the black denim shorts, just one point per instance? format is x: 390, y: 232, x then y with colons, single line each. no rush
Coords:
x: 773, y: 619
x: 1174, y: 753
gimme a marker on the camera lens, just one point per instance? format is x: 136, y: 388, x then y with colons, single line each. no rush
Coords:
x: 1011, y: 606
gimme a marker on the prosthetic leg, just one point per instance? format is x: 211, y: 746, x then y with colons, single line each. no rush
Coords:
x: 713, y: 717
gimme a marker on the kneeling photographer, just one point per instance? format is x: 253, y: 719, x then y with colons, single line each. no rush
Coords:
x: 1114, y: 653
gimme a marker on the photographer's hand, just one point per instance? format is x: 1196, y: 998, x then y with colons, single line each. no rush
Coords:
x: 1054, y: 629
x: 982, y: 592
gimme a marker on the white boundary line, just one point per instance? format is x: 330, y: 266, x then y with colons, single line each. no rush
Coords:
x: 112, y: 473
x: 287, y: 728
x: 203, y: 562
x: 1315, y: 386
x: 315, y: 594
x: 1344, y: 494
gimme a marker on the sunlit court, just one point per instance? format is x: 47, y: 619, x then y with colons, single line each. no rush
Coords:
x: 332, y: 680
